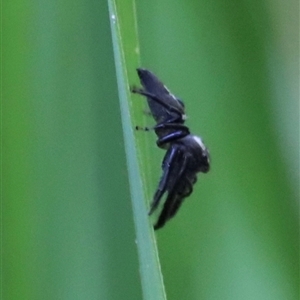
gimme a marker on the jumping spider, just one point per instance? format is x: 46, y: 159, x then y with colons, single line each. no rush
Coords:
x: 186, y: 154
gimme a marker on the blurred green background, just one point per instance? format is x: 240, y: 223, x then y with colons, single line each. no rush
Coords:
x: 67, y: 224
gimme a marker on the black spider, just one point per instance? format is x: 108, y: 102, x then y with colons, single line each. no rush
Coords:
x: 186, y: 154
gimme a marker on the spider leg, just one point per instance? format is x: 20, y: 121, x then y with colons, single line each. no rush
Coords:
x: 167, y: 125
x: 171, y: 137
x: 176, y: 206
x: 178, y: 202
x: 148, y: 114
x: 163, y: 126
x: 165, y: 214
x: 170, y: 157
x: 188, y: 189
x: 156, y: 99
x: 189, y: 186
x: 144, y: 128
x: 173, y: 200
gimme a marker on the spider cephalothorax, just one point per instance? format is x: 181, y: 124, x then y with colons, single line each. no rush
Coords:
x: 186, y: 154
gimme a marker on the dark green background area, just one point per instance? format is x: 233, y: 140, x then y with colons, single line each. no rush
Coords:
x: 67, y: 220
x: 67, y: 223
x: 237, y: 233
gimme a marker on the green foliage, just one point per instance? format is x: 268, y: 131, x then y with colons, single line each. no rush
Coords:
x: 126, y: 47
x: 69, y: 229
x: 67, y: 220
x: 236, y: 237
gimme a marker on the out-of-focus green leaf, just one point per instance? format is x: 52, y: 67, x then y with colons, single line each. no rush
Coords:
x: 67, y: 228
x: 67, y: 220
x: 237, y: 235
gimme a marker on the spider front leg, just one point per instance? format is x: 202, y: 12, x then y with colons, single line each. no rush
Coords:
x: 175, y: 196
x: 164, y: 126
x: 173, y: 136
x: 164, y: 183
x: 155, y: 99
x: 171, y: 125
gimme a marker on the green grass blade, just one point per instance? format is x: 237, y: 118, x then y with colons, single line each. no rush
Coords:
x: 125, y: 44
